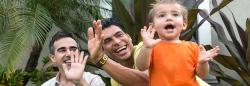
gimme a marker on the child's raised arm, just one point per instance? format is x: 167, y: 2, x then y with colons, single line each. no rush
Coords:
x: 203, y: 67
x: 143, y: 59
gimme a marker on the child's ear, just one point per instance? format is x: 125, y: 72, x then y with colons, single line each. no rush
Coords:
x: 151, y: 23
x: 185, y: 24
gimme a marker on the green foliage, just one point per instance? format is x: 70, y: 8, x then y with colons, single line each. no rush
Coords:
x: 133, y: 18
x: 238, y: 61
x: 25, y: 24
x: 21, y: 25
x: 13, y: 78
x: 38, y: 77
x: 238, y: 49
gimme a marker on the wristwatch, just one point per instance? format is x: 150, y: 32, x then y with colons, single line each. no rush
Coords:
x: 102, y: 61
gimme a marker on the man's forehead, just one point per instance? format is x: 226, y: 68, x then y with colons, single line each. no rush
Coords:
x: 65, y: 42
x: 112, y: 30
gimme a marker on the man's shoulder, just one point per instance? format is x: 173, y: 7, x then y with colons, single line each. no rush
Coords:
x: 137, y: 49
x: 90, y: 75
x: 93, y: 79
x: 50, y: 82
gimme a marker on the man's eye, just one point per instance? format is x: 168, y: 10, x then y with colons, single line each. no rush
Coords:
x: 106, y: 41
x: 73, y: 49
x: 119, y: 35
x: 61, y: 50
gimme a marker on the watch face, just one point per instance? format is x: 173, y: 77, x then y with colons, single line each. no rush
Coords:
x: 102, y: 61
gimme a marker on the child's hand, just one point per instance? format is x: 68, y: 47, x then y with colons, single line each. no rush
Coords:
x: 206, y: 56
x: 148, y: 35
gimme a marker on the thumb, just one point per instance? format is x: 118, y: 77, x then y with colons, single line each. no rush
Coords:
x: 157, y: 40
x: 64, y: 66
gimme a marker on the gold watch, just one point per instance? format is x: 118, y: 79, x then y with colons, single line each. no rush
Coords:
x: 102, y: 61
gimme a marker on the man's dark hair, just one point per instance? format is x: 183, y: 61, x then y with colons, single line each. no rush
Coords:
x: 111, y: 21
x: 58, y: 36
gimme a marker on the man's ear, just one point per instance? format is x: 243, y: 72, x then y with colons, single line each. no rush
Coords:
x: 130, y: 39
x: 52, y: 57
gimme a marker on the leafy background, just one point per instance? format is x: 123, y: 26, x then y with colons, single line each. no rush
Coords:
x: 25, y: 25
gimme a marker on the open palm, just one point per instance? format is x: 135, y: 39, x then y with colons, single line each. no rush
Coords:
x: 76, y: 69
x: 95, y: 39
x: 148, y: 35
x: 207, y: 55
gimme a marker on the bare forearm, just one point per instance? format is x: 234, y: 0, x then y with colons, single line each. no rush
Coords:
x: 125, y: 76
x: 143, y: 60
x: 202, y: 69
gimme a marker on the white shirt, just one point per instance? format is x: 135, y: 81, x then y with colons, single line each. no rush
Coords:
x: 92, y: 80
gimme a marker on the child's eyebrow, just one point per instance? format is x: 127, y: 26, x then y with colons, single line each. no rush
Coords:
x: 176, y: 11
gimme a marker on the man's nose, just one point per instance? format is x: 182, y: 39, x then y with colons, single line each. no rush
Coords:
x: 116, y: 40
x: 68, y: 52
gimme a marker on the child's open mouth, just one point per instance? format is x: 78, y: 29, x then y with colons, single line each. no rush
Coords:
x: 169, y: 28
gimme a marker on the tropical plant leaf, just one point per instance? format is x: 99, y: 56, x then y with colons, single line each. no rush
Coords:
x: 197, y: 3
x: 37, y: 24
x: 229, y: 44
x: 217, y: 71
x: 126, y: 18
x: 12, y: 43
x: 242, y: 34
x: 232, y: 81
x: 192, y: 17
x: 187, y: 35
x: 230, y: 30
x: 11, y: 47
x: 142, y: 8
x: 217, y: 8
x: 248, y: 42
x: 227, y: 61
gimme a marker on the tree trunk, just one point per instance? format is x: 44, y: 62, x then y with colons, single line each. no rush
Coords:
x: 32, y: 62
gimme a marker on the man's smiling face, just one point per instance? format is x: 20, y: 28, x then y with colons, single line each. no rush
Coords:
x: 64, y: 49
x: 117, y: 45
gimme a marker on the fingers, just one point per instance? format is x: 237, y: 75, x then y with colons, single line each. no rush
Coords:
x: 81, y: 57
x: 202, y: 48
x: 215, y: 49
x: 72, y: 58
x: 152, y: 32
x: 97, y: 28
x: 143, y: 32
x: 64, y: 66
x: 148, y: 32
x: 90, y: 33
x: 85, y: 59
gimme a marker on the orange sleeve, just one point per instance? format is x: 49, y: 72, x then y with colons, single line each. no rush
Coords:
x: 196, y: 51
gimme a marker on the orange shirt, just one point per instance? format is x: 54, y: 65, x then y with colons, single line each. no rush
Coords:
x: 173, y: 64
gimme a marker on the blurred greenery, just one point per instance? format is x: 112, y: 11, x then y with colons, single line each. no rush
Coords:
x: 25, y: 25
